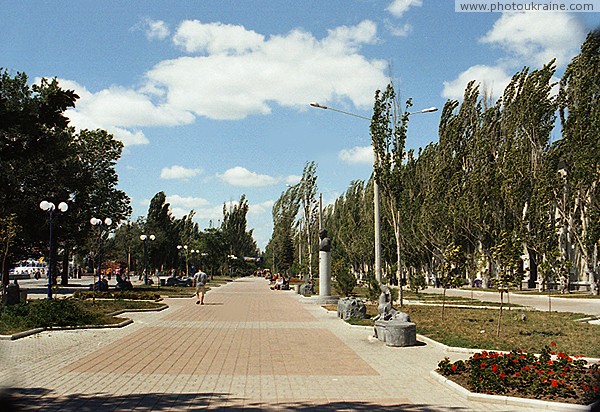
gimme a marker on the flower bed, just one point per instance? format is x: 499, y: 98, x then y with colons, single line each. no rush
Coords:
x: 550, y: 376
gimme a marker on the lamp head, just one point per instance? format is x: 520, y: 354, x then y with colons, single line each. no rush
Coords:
x: 47, y: 206
x: 63, y: 207
x: 143, y: 237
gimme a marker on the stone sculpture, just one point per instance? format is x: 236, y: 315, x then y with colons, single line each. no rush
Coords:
x: 348, y: 308
x: 391, y: 325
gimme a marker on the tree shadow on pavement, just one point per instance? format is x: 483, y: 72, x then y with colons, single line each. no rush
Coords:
x: 41, y: 399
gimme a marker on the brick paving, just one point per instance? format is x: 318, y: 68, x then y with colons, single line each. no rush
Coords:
x: 249, y: 348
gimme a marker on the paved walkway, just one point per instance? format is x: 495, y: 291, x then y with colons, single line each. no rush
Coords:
x: 248, y: 348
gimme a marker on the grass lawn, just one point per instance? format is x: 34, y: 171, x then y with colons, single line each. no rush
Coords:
x: 65, y: 313
x: 476, y: 329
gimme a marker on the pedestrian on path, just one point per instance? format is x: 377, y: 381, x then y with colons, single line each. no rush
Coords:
x: 200, y: 279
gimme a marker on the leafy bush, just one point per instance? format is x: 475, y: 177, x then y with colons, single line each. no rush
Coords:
x: 46, y: 313
x: 345, y: 281
x: 548, y: 376
x: 374, y: 290
x: 417, y: 282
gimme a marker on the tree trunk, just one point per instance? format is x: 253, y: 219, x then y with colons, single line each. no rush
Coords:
x: 500, y: 313
x: 443, y: 303
x: 533, y: 268
x: 64, y: 276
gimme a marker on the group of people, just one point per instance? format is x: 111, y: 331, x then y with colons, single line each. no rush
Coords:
x: 279, y: 282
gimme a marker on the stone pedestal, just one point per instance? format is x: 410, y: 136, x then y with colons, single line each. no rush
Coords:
x: 396, y: 332
x: 324, y: 274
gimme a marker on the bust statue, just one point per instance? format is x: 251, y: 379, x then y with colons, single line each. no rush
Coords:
x: 325, y: 245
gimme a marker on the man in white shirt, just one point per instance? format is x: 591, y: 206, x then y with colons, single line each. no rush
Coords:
x: 200, y: 279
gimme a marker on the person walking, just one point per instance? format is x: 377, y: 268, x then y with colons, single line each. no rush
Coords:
x: 200, y: 279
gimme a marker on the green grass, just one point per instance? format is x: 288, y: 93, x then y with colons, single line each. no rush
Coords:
x: 68, y: 312
x: 476, y: 329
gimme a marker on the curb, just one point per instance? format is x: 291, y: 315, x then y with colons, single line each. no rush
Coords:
x: 509, y: 400
x: 126, y: 322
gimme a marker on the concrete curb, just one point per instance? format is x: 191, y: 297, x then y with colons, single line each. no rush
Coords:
x: 509, y: 400
x: 126, y: 322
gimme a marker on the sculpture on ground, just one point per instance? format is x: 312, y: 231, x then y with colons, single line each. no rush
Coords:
x: 351, y: 308
x: 385, y: 308
x: 391, y: 325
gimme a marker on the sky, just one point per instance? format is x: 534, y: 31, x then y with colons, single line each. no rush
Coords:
x: 211, y: 98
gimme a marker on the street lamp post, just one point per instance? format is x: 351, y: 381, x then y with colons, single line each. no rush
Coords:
x: 102, y: 226
x: 179, y: 247
x: 50, y: 208
x: 144, y: 239
x: 187, y: 263
x: 376, y: 211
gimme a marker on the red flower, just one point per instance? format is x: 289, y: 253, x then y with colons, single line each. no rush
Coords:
x: 494, y: 368
x: 595, y: 389
x: 502, y: 375
x: 553, y: 382
x: 552, y: 343
x: 521, y: 356
x: 517, y: 374
x: 453, y: 367
x: 550, y: 362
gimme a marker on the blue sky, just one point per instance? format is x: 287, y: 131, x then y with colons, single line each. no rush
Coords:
x: 211, y: 98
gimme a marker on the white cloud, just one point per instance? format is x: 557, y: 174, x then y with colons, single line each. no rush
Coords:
x: 293, y: 179
x: 357, y: 155
x: 187, y: 202
x: 216, y: 38
x: 233, y: 73
x: 156, y: 29
x: 121, y: 111
x: 178, y: 172
x: 491, y: 79
x: 289, y: 70
x: 240, y: 176
x: 536, y: 38
x: 399, y: 7
x: 261, y: 208
x: 399, y: 31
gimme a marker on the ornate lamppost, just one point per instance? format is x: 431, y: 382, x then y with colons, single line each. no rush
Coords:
x: 103, y: 226
x: 50, y: 208
x: 144, y: 239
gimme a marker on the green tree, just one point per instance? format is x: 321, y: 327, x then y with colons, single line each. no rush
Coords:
x: 579, y: 150
x: 235, y: 232
x: 344, y: 279
x: 8, y: 232
x: 41, y: 157
x: 507, y: 253
x: 451, y: 273
x: 388, y: 133
x: 284, y: 213
x: 307, y: 190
